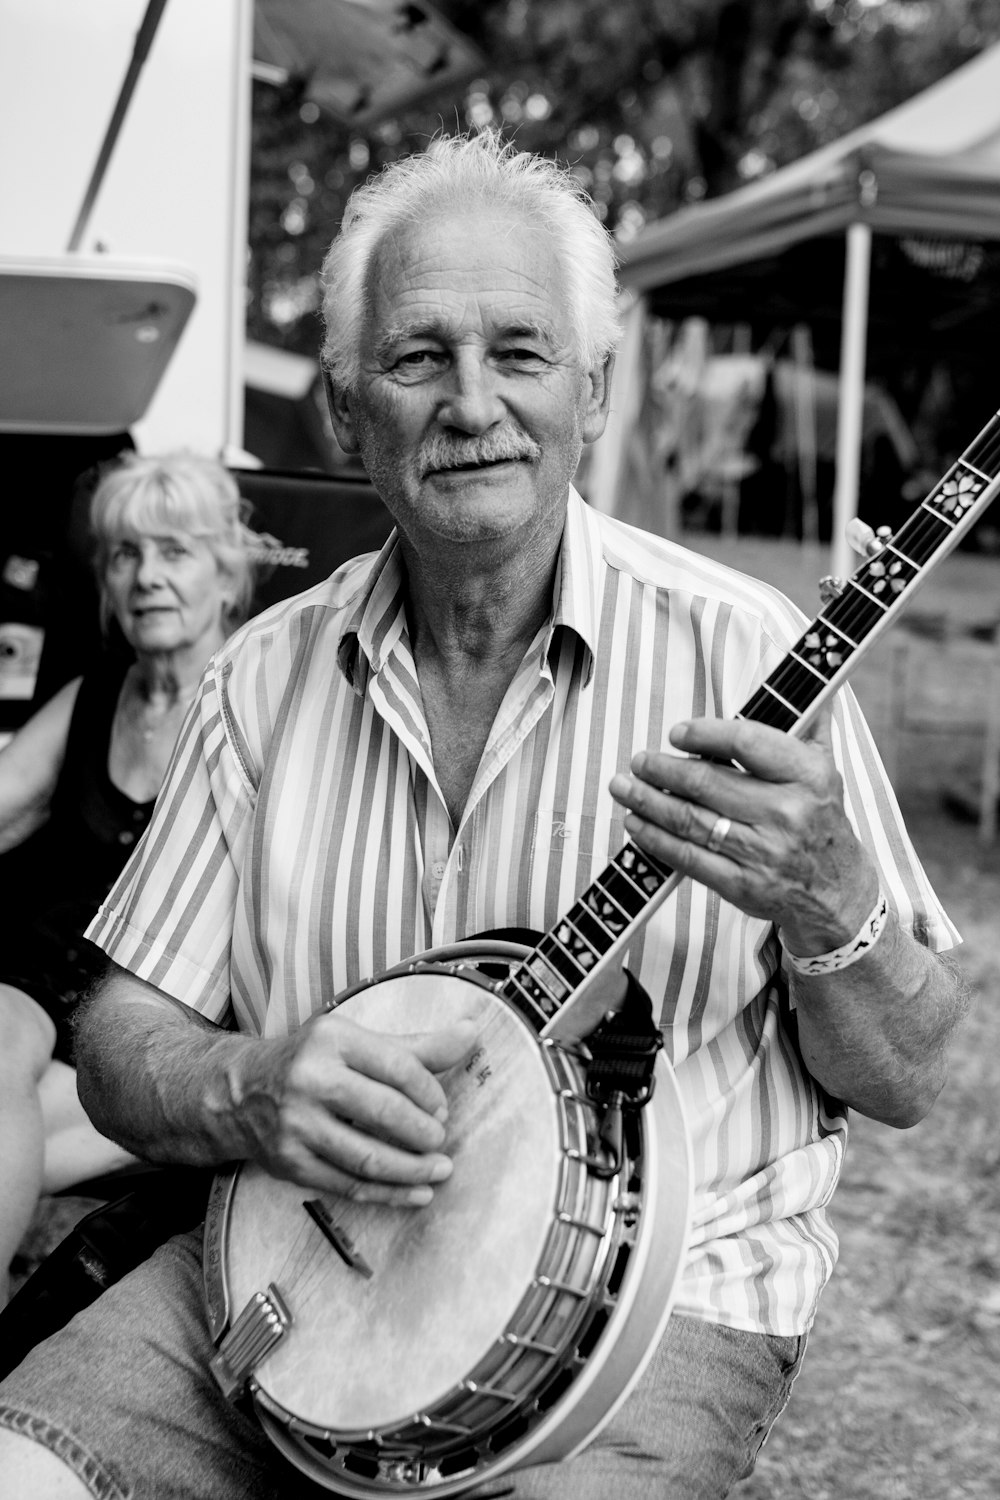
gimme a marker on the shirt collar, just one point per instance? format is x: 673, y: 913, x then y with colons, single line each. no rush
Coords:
x: 577, y: 592
x: 378, y: 618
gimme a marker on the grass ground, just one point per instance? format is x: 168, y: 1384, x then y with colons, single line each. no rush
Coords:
x: 899, y: 1397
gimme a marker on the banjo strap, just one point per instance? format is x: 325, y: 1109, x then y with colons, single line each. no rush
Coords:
x: 620, y: 1073
x: 623, y: 1051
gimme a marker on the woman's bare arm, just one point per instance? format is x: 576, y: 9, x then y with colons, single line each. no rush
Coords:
x: 30, y: 765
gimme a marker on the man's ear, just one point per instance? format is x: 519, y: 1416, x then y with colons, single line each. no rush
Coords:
x: 599, y: 403
x: 338, y: 402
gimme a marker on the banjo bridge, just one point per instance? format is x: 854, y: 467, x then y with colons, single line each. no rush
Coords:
x: 335, y: 1235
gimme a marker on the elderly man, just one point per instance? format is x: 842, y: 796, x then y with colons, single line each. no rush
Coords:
x: 455, y: 737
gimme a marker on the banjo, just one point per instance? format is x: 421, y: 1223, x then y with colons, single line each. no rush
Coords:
x: 387, y: 1351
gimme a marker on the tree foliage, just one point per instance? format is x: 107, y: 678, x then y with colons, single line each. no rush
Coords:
x: 653, y: 103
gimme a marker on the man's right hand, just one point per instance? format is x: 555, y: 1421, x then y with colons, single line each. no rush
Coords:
x: 344, y: 1109
x: 336, y: 1106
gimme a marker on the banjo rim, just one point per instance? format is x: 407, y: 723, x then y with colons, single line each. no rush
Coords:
x: 625, y: 1341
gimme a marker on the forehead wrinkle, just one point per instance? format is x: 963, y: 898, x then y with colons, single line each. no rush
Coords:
x: 398, y: 333
x: 528, y: 328
x: 439, y: 330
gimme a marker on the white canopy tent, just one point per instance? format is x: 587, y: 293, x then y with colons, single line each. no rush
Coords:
x: 926, y: 173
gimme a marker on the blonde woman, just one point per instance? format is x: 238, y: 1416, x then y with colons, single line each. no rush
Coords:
x: 80, y: 779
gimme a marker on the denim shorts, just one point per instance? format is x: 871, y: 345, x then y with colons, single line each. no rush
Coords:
x: 124, y: 1396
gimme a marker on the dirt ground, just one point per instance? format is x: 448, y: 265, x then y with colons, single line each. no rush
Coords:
x: 899, y: 1397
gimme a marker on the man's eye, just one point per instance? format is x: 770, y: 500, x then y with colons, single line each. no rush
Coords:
x: 521, y: 356
x: 414, y: 365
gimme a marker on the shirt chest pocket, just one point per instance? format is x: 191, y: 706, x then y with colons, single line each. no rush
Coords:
x: 583, y: 843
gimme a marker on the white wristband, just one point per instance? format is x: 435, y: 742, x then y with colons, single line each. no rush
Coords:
x: 840, y: 958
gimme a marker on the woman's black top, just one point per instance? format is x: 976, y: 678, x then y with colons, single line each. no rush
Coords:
x: 57, y: 879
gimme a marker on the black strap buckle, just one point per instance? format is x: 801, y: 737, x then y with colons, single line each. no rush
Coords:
x: 621, y: 1073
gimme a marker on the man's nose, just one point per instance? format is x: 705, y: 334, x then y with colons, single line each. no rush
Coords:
x: 472, y: 402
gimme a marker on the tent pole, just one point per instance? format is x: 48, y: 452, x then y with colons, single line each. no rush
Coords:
x: 140, y: 52
x: 238, y: 214
x: 608, y: 456
x: 851, y: 402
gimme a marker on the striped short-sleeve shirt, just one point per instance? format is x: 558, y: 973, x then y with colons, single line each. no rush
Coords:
x: 301, y: 845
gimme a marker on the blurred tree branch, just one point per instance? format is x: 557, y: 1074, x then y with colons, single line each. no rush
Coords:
x: 653, y: 103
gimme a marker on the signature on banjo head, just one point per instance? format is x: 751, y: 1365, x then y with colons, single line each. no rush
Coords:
x: 478, y: 1066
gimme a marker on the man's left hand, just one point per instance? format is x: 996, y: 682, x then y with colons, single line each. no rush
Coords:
x: 759, y: 817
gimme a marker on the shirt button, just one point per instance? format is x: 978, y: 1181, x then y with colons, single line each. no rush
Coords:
x: 437, y: 869
x: 125, y: 837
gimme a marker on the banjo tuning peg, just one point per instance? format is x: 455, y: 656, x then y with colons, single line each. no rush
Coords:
x: 830, y: 588
x: 863, y: 539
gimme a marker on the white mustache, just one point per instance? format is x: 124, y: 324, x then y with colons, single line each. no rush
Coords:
x: 439, y: 452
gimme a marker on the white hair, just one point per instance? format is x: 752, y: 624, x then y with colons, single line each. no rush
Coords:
x: 179, y: 491
x: 455, y: 173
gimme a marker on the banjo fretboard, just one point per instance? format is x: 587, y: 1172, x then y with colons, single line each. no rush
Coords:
x: 626, y: 893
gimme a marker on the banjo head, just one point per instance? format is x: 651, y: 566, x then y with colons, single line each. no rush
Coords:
x: 368, y: 1351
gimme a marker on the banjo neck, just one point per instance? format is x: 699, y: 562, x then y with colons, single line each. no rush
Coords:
x: 551, y: 981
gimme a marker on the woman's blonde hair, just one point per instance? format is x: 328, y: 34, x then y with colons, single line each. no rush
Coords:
x: 183, y: 492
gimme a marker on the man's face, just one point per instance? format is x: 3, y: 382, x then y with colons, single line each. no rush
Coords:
x: 472, y: 408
